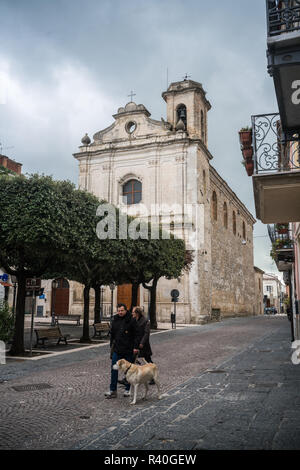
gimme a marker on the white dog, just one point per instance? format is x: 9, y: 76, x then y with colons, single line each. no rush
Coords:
x: 137, y: 375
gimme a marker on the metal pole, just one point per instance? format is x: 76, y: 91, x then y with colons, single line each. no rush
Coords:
x: 32, y: 320
x: 14, y: 300
x: 112, y: 304
x: 148, y: 304
x: 100, y: 302
x: 175, y: 313
x: 291, y: 307
x: 53, y: 304
x: 297, y: 318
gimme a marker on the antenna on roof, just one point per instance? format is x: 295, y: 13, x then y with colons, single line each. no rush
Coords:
x: 5, y: 148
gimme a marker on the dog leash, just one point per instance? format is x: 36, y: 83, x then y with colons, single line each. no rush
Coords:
x: 127, y: 370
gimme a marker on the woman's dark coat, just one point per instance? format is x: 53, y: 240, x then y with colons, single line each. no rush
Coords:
x: 143, y: 335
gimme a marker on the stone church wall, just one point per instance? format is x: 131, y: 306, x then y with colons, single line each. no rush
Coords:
x: 232, y: 256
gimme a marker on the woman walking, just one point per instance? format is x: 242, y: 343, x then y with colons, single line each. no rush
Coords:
x: 143, y: 336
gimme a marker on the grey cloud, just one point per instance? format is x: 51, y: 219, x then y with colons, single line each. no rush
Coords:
x: 117, y: 46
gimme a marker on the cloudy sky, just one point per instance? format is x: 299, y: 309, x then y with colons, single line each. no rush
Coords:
x: 67, y: 65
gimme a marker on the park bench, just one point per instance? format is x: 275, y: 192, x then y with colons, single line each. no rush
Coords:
x: 101, y: 328
x: 67, y: 317
x: 54, y: 332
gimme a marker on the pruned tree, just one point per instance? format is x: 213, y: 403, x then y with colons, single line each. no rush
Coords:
x: 36, y: 230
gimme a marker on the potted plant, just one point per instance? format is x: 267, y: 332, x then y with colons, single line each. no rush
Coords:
x: 247, y: 152
x: 282, y: 228
x: 246, y: 136
x: 273, y: 253
x: 249, y: 165
x: 282, y: 243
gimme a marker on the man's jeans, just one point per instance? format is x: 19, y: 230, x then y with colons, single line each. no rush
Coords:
x: 114, y: 373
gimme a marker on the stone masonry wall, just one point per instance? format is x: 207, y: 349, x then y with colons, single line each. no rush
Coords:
x: 232, y: 258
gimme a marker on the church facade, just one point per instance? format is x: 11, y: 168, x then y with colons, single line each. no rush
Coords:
x: 143, y: 164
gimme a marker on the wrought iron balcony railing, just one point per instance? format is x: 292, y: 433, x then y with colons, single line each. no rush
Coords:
x: 283, y: 16
x: 282, y: 246
x: 273, y: 151
x: 281, y: 236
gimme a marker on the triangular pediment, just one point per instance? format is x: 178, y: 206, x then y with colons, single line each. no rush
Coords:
x: 131, y: 121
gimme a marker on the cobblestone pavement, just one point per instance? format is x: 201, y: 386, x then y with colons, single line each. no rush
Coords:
x: 228, y: 385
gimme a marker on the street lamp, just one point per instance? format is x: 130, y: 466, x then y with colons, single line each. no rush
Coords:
x: 54, y: 287
x: 112, y: 287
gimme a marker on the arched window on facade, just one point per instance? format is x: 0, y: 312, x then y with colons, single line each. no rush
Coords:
x: 244, y: 231
x: 181, y: 114
x: 132, y: 192
x: 234, y: 222
x: 214, y: 206
x: 202, y: 126
x: 225, y: 215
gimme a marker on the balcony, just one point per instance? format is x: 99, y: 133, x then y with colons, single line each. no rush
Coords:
x: 283, y: 43
x: 276, y: 177
x: 282, y: 246
x: 283, y: 17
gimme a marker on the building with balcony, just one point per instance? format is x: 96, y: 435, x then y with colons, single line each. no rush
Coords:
x: 282, y: 246
x: 272, y: 157
x: 296, y: 237
x: 275, y: 137
x: 273, y: 291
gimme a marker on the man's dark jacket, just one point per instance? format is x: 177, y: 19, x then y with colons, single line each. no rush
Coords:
x: 123, y: 335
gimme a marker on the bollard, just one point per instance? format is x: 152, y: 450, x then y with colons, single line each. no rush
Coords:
x: 2, y: 353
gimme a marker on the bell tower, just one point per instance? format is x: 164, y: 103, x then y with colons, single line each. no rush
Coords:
x: 187, y: 108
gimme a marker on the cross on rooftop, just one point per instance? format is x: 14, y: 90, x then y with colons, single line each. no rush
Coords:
x: 131, y: 95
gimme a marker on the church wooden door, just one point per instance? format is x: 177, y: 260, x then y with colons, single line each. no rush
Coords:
x: 60, y: 298
x: 124, y: 295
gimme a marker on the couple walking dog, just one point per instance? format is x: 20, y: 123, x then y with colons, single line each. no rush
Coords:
x: 129, y: 339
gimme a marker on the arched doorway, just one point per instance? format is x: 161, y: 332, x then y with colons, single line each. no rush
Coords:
x: 60, y: 297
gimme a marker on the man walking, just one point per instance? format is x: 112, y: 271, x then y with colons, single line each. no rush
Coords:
x: 123, y: 340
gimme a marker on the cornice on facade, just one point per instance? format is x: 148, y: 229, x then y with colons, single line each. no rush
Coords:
x: 137, y: 145
x: 258, y: 270
x: 186, y: 86
x: 233, y: 198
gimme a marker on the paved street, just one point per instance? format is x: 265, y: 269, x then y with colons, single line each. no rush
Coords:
x: 228, y: 385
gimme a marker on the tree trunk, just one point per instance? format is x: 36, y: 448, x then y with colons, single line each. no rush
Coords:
x: 153, y: 322
x: 18, y: 339
x: 134, y: 295
x: 97, y: 316
x: 86, y: 315
x: 152, y: 306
